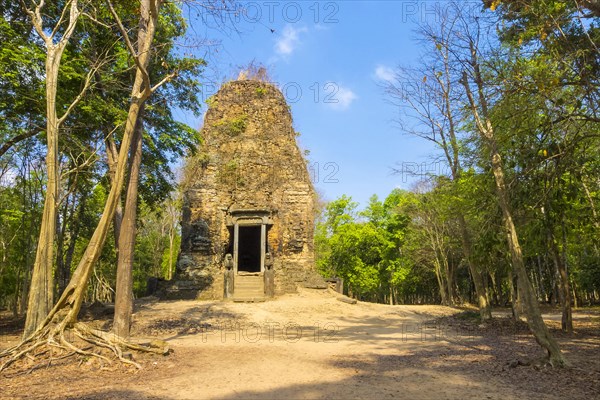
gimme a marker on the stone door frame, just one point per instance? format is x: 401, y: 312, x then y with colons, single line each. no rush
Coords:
x: 246, y: 217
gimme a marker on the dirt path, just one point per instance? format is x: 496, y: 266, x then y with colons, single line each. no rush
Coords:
x: 311, y: 346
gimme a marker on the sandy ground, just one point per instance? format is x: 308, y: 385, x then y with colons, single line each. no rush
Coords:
x: 312, y: 346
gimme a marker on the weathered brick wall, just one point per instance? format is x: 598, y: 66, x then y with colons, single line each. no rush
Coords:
x: 249, y: 160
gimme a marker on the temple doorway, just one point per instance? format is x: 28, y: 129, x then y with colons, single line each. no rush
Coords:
x: 248, y: 230
x: 249, y: 254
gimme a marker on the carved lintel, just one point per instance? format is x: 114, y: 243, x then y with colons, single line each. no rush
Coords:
x: 249, y: 217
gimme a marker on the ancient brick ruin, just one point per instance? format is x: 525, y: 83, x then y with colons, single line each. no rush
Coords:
x: 248, y: 214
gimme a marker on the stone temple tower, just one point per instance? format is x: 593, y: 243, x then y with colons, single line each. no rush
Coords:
x: 248, y: 213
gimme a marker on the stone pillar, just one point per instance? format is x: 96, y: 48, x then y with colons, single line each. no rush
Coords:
x: 229, y: 277
x: 236, y: 242
x: 263, y: 246
x: 269, y: 276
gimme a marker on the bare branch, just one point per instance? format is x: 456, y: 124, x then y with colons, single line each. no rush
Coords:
x: 63, y: 13
x: 164, y: 80
x: 81, y: 94
x: 129, y: 45
x: 36, y: 18
x: 95, y: 20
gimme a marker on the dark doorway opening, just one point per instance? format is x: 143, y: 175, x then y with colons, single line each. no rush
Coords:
x: 249, y: 249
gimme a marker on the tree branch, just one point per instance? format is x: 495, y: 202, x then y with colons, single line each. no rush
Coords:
x: 36, y: 18
x: 60, y: 21
x: 129, y: 45
x: 16, y: 139
x: 81, y: 94
x: 164, y: 80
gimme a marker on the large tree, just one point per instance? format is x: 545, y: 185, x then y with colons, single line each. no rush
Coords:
x: 467, y: 90
x: 479, y: 100
x: 55, y: 36
x: 64, y: 314
x: 428, y: 94
x: 157, y: 128
x: 556, y: 45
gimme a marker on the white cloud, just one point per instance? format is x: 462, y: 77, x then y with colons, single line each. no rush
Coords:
x: 342, y: 98
x: 384, y: 73
x: 289, y: 40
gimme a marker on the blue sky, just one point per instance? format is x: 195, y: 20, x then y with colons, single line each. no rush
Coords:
x: 330, y: 59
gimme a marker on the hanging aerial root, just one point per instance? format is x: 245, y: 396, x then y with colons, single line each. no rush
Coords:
x: 56, y: 338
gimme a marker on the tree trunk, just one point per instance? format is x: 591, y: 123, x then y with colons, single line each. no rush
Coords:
x: 127, y: 235
x: 127, y: 230
x: 61, y: 228
x: 450, y: 295
x: 452, y: 151
x: 41, y: 291
x: 532, y: 310
x: 564, y: 290
x: 541, y: 279
x: 70, y: 301
x: 494, y: 297
x: 486, y: 131
x: 112, y: 155
x: 169, y: 273
x: 485, y: 311
x: 515, y: 302
x: 441, y: 281
x: 72, y: 243
x: 575, y: 300
x: 567, y: 316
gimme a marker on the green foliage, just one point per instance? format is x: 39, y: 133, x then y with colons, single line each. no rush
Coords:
x: 211, y: 101
x: 233, y: 126
x: 549, y: 76
x: 100, y: 114
x: 153, y: 247
x: 369, y: 250
x: 230, y: 174
x: 339, y: 212
x: 22, y: 91
x: 539, y: 66
x: 357, y: 255
x: 169, y: 258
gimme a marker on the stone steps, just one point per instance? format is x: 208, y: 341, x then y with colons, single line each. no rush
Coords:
x: 248, y: 288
